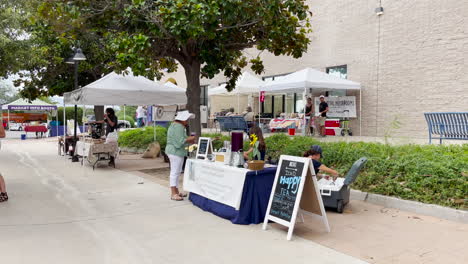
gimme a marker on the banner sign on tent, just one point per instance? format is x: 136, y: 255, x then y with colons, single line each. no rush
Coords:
x: 32, y: 107
x: 338, y: 105
x: 262, y: 96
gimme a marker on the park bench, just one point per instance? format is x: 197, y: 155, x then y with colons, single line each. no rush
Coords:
x: 231, y: 123
x: 447, y: 126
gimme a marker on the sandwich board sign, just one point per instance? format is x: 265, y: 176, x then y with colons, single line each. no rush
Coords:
x: 205, y: 147
x: 295, y: 189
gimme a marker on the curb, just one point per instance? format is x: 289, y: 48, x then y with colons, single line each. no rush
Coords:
x: 412, y: 206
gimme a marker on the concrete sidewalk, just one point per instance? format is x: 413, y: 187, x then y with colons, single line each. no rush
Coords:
x: 61, y: 212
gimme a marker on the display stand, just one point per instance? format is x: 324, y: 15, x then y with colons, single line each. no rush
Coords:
x: 294, y: 188
x: 205, y: 147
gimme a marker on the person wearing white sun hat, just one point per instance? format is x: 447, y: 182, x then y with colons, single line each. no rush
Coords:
x: 177, y: 140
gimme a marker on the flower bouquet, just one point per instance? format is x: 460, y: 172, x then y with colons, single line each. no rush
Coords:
x: 192, y: 150
x: 255, y: 153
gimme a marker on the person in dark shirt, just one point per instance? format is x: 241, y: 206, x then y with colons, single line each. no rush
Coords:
x: 111, y: 121
x: 308, y: 113
x: 315, y: 153
x: 323, y: 109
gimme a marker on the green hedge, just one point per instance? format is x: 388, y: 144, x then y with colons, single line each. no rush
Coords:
x: 435, y: 174
x: 140, y: 138
x: 70, y: 114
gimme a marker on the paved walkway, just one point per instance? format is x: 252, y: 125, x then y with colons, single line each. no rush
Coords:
x: 60, y: 212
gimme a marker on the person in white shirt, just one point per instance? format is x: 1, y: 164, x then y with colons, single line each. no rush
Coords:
x: 140, y: 114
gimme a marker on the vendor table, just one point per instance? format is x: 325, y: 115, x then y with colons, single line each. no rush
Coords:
x: 95, y: 152
x: 254, y: 193
x: 276, y: 124
x: 37, y: 129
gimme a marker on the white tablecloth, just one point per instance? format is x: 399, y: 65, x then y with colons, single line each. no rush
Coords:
x: 88, y: 150
x: 215, y: 181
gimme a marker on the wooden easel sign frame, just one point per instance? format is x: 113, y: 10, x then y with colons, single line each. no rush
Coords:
x: 294, y: 177
x: 204, y: 148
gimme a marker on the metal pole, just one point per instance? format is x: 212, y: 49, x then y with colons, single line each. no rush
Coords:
x: 64, y: 129
x: 125, y: 115
x: 8, y: 119
x: 75, y: 157
x: 360, y: 113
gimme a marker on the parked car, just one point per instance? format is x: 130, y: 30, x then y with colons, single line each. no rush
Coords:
x: 16, y: 126
x: 123, y: 124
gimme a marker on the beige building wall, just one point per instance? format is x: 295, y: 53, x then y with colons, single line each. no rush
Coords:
x: 410, y: 60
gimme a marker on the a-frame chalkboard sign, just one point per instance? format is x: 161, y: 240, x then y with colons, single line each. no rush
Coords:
x: 295, y: 189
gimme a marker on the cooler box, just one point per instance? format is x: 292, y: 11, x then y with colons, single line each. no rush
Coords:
x: 336, y: 194
x: 332, y: 131
x: 332, y: 123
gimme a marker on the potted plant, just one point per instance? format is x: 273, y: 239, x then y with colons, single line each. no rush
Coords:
x: 255, y: 153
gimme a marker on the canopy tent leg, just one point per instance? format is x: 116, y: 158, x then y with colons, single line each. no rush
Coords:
x: 57, y: 124
x: 125, y: 116
x: 8, y: 120
x: 65, y: 124
x: 360, y: 112
x: 304, y: 125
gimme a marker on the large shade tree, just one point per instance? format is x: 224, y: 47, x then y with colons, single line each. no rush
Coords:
x: 206, y: 37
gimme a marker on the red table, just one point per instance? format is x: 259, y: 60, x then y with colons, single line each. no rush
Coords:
x: 37, y: 129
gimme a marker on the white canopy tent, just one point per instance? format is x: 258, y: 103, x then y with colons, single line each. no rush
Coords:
x: 247, y: 84
x: 309, y: 78
x: 120, y: 89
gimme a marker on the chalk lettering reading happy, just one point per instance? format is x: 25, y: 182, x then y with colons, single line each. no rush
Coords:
x: 292, y: 182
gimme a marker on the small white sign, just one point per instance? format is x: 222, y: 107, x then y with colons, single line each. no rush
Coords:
x: 341, y: 106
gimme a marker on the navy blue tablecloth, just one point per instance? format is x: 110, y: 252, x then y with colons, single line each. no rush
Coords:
x: 254, y: 203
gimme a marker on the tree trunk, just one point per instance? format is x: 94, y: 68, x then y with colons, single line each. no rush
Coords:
x: 192, y: 74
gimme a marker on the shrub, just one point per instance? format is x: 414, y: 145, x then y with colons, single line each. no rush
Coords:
x: 217, y: 139
x: 140, y: 138
x: 70, y: 114
x: 428, y: 173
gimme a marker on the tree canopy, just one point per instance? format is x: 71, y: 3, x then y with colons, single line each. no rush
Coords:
x: 206, y: 37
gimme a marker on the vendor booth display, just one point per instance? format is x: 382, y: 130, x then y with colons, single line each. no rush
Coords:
x: 95, y: 151
x: 119, y: 89
x: 309, y: 80
x: 36, y: 106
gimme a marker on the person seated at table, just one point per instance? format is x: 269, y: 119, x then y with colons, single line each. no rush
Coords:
x: 249, y: 116
x: 315, y: 153
x: 231, y: 112
x: 261, y: 146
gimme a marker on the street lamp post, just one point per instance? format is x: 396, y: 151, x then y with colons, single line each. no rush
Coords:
x: 75, y: 60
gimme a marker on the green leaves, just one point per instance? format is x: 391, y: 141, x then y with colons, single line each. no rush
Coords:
x: 430, y: 174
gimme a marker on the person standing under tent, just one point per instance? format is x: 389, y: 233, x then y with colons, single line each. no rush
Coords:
x: 140, y: 115
x: 308, y: 113
x: 322, y: 115
x: 3, y: 192
x: 177, y: 140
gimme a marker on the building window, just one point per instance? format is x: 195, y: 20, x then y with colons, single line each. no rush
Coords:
x: 204, y: 95
x: 338, y: 71
x: 274, y: 105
